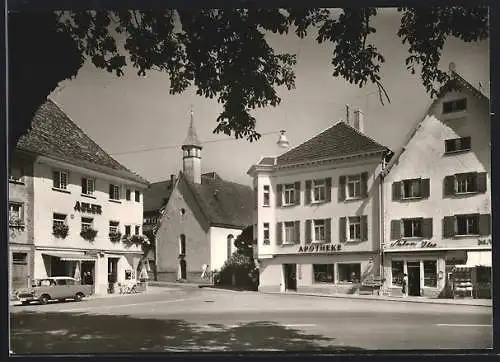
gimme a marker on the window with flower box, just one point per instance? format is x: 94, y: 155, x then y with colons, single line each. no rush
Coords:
x: 16, y: 217
x: 58, y: 220
x: 87, y: 223
x: 114, y: 227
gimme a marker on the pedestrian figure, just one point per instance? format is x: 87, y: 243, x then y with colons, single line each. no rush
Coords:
x: 405, y: 285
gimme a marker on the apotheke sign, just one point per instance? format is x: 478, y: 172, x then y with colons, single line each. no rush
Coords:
x: 319, y: 248
x: 86, y: 207
x: 405, y: 243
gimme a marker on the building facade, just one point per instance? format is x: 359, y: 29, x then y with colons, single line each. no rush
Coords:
x: 437, y: 201
x: 317, y: 221
x: 86, y: 207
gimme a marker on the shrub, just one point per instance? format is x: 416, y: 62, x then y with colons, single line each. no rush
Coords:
x: 88, y: 234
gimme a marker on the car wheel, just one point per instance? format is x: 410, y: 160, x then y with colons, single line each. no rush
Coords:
x: 79, y: 297
x: 44, y: 299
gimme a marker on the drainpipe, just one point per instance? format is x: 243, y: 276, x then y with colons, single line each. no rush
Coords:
x: 381, y: 216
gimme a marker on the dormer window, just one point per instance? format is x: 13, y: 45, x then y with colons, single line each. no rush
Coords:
x: 457, y: 144
x: 455, y: 106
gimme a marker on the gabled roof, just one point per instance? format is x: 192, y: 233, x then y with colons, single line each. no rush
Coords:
x: 157, y: 196
x: 53, y: 134
x: 456, y: 82
x: 337, y: 141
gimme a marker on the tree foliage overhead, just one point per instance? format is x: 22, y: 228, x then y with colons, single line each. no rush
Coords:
x: 224, y: 52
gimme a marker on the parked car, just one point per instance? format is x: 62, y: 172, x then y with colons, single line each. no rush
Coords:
x: 53, y: 288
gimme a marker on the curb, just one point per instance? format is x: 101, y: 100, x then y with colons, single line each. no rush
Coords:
x: 402, y: 300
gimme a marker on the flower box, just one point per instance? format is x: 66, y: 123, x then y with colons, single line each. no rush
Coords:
x: 60, y: 231
x: 115, y: 237
x: 88, y: 234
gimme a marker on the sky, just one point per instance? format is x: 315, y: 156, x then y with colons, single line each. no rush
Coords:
x: 130, y: 113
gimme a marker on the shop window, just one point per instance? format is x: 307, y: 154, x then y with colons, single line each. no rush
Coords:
x: 60, y: 180
x: 397, y: 272
x: 20, y: 258
x: 266, y: 195
x: 87, y: 223
x: 88, y: 186
x: 467, y: 224
x: 323, y: 273
x: 349, y: 273
x: 455, y: 106
x: 266, y: 234
x: 412, y: 228
x: 430, y: 273
x: 319, y: 190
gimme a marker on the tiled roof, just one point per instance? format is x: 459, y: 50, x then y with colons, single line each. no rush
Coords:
x: 54, y: 135
x: 157, y: 196
x: 337, y: 141
x: 268, y: 161
x: 224, y: 203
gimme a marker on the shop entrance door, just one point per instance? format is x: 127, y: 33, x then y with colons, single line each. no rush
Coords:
x: 413, y: 278
x: 290, y: 276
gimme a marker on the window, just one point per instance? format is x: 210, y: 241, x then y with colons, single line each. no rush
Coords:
x: 353, y: 187
x: 15, y: 213
x: 412, y: 228
x: 397, y: 272
x: 20, y: 258
x: 127, y: 230
x: 457, y: 144
x: 289, y: 232
x: 467, y: 224
x: 266, y: 234
x: 114, y: 192
x: 455, y: 106
x: 113, y: 227
x: 16, y: 172
x: 289, y: 194
x: 137, y: 196
x: 430, y: 273
x: 465, y: 182
x: 137, y: 230
x: 182, y: 245
x: 60, y: 180
x: 323, y: 273
x: 58, y: 219
x: 319, y: 230
x: 349, y: 273
x: 319, y: 190
x: 88, y: 186
x: 127, y: 195
x: 266, y: 195
x: 355, y: 228
x: 412, y: 189
x: 87, y: 223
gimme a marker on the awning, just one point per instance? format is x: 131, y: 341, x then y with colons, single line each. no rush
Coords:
x: 477, y: 258
x: 71, y: 257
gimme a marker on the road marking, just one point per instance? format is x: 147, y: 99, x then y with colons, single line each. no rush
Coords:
x: 124, y: 305
x: 464, y: 325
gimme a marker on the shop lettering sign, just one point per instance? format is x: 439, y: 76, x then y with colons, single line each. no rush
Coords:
x: 412, y: 243
x: 86, y: 207
x: 319, y: 248
x: 484, y: 241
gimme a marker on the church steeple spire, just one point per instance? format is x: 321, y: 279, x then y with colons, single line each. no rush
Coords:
x: 191, y: 158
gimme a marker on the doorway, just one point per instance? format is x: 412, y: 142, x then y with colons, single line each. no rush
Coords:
x: 413, y: 278
x: 183, y: 267
x: 88, y: 272
x: 290, y: 271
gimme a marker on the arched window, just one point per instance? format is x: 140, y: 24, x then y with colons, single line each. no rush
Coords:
x: 230, y: 239
x: 182, y: 244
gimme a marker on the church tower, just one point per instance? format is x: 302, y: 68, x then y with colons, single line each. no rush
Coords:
x: 191, y: 154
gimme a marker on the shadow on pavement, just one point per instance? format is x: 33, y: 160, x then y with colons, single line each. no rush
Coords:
x: 54, y: 333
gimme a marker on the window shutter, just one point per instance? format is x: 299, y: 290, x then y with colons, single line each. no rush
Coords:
x: 307, y: 196
x: 342, y: 230
x: 427, y: 228
x: 297, y: 193
x: 364, y: 228
x: 481, y: 181
x: 110, y: 191
x: 84, y: 185
x: 308, y: 231
x: 484, y: 224
x: 395, y: 229
x: 328, y: 191
x: 364, y: 184
x: 342, y: 181
x: 396, y: 191
x: 449, y: 185
x: 55, y: 179
x: 448, y: 226
x: 328, y: 230
x: 279, y: 194
x: 297, y: 232
x: 279, y: 233
x: 426, y: 187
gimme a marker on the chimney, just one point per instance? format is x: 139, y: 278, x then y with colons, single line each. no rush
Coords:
x: 358, y: 120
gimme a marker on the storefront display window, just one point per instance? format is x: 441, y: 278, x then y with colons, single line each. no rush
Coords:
x: 430, y: 273
x: 397, y: 272
x: 349, y: 273
x: 323, y: 273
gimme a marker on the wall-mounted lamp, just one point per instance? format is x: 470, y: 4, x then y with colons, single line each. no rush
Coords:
x: 283, y: 141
